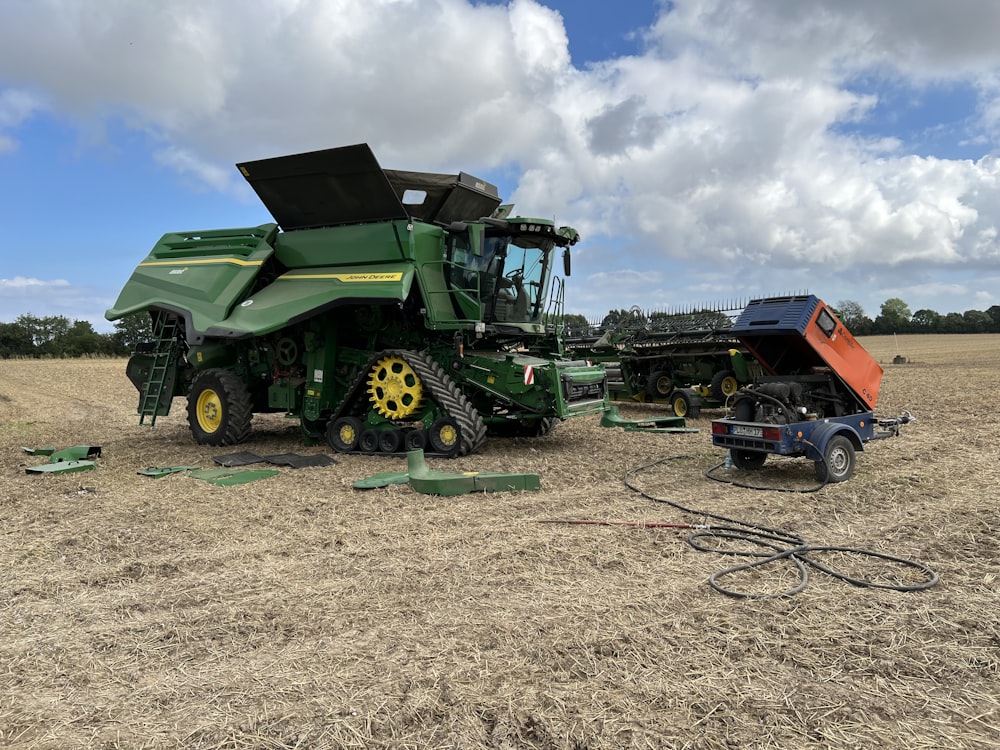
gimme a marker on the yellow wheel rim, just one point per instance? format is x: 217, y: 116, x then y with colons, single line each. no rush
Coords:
x: 680, y: 407
x: 394, y: 388
x: 348, y: 435
x: 209, y: 411
x: 448, y: 435
x: 729, y: 386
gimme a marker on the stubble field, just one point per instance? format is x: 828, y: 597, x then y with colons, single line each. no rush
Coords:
x: 297, y: 611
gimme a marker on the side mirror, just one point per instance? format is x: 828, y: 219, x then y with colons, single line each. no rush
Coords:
x: 566, y: 262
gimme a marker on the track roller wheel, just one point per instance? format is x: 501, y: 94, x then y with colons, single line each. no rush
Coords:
x: 414, y: 440
x: 389, y: 440
x: 445, y: 436
x: 368, y: 442
x: 343, y: 434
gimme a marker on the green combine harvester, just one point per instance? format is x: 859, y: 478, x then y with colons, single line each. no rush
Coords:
x: 385, y: 310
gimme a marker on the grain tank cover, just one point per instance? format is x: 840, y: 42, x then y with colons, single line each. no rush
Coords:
x: 346, y: 185
x: 324, y: 188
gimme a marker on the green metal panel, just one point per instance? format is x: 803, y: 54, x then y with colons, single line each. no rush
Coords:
x: 348, y: 245
x: 203, y: 273
x: 304, y: 292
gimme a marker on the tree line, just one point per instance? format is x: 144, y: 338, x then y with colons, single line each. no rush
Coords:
x: 58, y: 336
x: 895, y: 317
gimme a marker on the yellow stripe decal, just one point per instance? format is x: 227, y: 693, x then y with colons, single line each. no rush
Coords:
x: 200, y: 262
x: 345, y: 277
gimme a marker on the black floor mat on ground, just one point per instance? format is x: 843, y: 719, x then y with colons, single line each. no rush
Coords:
x: 281, y: 459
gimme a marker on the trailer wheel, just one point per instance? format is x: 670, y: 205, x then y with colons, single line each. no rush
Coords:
x: 343, y: 435
x: 219, y: 408
x: 724, y: 385
x: 660, y: 385
x: 445, y: 436
x: 747, y: 460
x: 838, y: 460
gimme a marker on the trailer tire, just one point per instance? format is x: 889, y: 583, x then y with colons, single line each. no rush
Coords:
x: 747, y: 460
x: 219, y: 408
x: 838, y: 460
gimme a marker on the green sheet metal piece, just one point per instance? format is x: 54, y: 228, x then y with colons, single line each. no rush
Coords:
x: 48, y: 450
x: 61, y: 467
x: 75, y: 453
x: 611, y: 418
x: 229, y: 477
x: 429, y: 482
x: 162, y: 471
x: 382, y: 479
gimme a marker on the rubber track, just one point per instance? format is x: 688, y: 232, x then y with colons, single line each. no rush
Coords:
x: 448, y: 396
x: 442, y: 389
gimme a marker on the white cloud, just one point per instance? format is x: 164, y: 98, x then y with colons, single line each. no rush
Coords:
x: 21, y: 295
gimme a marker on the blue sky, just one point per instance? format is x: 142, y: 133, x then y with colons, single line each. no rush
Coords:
x: 706, y: 149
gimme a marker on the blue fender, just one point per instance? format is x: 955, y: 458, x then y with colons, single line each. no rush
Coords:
x: 821, y: 435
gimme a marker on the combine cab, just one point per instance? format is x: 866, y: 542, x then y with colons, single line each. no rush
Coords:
x: 817, y: 397
x: 386, y: 310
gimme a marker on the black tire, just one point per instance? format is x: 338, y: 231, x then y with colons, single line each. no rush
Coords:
x: 680, y: 402
x: 368, y: 442
x: 343, y: 434
x: 724, y: 385
x: 748, y: 460
x: 414, y: 440
x: 838, y: 460
x: 445, y: 436
x: 660, y: 385
x: 389, y: 440
x: 219, y: 408
x: 743, y: 410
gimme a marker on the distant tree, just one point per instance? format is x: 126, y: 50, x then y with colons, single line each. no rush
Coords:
x: 994, y: 313
x: 977, y: 321
x: 852, y: 315
x: 925, y: 321
x: 15, y: 341
x: 894, y: 317
x: 80, y: 339
x: 131, y: 330
x: 953, y: 322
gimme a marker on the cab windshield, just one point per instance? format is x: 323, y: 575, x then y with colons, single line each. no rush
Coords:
x: 517, y: 274
x: 505, y: 284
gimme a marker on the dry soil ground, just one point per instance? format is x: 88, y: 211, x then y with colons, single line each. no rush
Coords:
x: 297, y: 611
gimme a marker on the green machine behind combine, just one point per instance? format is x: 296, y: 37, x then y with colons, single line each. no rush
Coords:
x: 386, y: 310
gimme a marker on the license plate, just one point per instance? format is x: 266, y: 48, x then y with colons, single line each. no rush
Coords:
x: 739, y: 429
